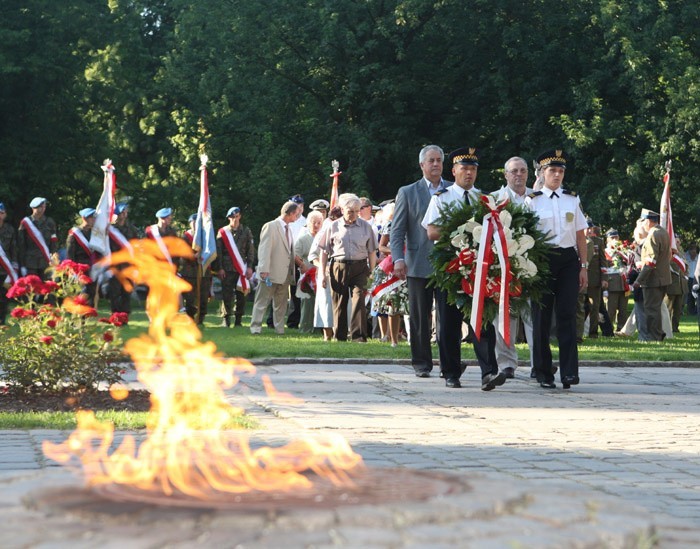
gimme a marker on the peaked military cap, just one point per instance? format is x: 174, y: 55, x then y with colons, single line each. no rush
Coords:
x: 465, y: 155
x: 554, y: 157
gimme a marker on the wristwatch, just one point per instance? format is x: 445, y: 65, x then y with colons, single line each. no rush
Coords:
x: 584, y: 265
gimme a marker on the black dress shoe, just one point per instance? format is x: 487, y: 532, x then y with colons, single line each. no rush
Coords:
x: 510, y: 372
x: 423, y: 373
x: 491, y: 381
x: 452, y: 383
x: 548, y: 385
x: 568, y: 381
x: 533, y: 374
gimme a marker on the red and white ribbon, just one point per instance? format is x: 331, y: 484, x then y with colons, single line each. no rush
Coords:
x: 387, y: 265
x: 492, y: 233
x: 36, y: 237
x: 119, y: 239
x: 82, y: 242
x: 153, y: 232
x: 234, y: 254
x: 6, y: 264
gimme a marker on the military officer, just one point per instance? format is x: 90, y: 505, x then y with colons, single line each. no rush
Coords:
x: 78, y: 246
x: 120, y: 232
x: 655, y: 274
x: 37, y: 242
x: 561, y: 219
x: 465, y: 165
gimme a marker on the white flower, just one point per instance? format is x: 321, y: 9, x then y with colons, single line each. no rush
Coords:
x: 477, y: 233
x: 526, y: 267
x: 460, y: 240
x: 505, y: 217
x: 525, y: 242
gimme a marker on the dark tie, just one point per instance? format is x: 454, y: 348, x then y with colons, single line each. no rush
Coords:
x: 466, y: 198
x: 554, y: 194
x: 286, y: 235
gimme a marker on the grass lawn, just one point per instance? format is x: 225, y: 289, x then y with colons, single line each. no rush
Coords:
x: 122, y: 420
x: 238, y: 342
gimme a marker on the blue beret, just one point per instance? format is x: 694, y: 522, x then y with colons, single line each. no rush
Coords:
x: 164, y: 212
x: 87, y: 212
x: 36, y: 202
x: 191, y: 218
x: 2, y: 206
x: 233, y: 211
x: 119, y: 208
x: 297, y: 199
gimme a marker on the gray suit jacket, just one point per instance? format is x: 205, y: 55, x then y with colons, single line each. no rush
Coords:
x: 411, y: 203
x: 274, y: 254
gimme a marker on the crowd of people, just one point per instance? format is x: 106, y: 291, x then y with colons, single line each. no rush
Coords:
x: 361, y: 270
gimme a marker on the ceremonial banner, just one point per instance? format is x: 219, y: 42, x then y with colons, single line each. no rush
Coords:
x: 204, y: 240
x: 666, y: 220
x: 99, y: 239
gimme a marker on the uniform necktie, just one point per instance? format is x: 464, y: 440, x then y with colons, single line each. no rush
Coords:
x: 554, y: 194
x: 286, y: 235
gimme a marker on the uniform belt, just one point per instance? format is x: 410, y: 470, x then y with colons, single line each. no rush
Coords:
x: 347, y: 261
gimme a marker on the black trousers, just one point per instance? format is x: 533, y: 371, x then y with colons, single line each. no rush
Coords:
x: 450, y: 341
x: 420, y: 322
x: 564, y: 269
x: 228, y: 294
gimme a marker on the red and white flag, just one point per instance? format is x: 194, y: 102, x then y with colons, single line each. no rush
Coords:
x: 666, y: 220
x: 99, y: 238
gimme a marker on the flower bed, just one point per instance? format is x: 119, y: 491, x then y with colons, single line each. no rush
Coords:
x: 59, y: 343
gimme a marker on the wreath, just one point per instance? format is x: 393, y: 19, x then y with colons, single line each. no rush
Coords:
x: 476, y: 240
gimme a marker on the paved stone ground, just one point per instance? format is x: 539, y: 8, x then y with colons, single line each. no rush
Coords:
x: 614, y: 462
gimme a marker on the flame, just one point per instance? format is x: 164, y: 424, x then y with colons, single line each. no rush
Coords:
x: 189, y: 448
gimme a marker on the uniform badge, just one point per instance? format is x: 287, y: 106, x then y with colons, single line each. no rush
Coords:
x: 569, y: 217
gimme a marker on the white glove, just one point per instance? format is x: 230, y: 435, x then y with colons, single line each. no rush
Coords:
x: 23, y: 271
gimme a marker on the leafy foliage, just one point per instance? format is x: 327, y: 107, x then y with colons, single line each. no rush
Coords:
x: 273, y: 91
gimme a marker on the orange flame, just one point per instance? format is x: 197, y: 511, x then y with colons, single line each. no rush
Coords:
x: 189, y: 449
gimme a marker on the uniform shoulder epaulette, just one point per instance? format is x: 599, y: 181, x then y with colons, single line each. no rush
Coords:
x: 442, y: 191
x: 536, y: 194
x: 567, y: 191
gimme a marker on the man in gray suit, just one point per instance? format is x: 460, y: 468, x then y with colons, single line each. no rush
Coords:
x: 275, y: 269
x: 413, y: 264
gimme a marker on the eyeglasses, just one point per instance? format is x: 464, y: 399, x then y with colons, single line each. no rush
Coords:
x: 518, y: 170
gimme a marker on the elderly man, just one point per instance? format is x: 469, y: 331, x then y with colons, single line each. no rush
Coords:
x: 235, y: 248
x: 350, y: 245
x: 37, y: 242
x: 465, y: 165
x: 655, y: 274
x: 515, y: 190
x: 410, y: 248
x: 302, y: 247
x: 275, y: 269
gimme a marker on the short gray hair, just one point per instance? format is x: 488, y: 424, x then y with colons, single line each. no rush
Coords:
x: 425, y: 150
x: 343, y: 198
x: 514, y: 159
x: 288, y: 208
x: 314, y: 214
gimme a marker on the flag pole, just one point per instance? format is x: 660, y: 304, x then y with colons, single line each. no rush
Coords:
x: 334, y: 190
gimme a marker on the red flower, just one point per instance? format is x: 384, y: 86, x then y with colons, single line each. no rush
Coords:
x: 108, y: 336
x: 17, y: 312
x: 104, y: 320
x: 17, y: 291
x: 467, y: 286
x: 516, y: 288
x: 46, y: 339
x: 119, y: 319
x: 84, y: 279
x: 90, y: 312
x: 466, y: 257
x: 51, y: 323
x: 81, y: 300
x: 453, y: 266
x: 48, y: 287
